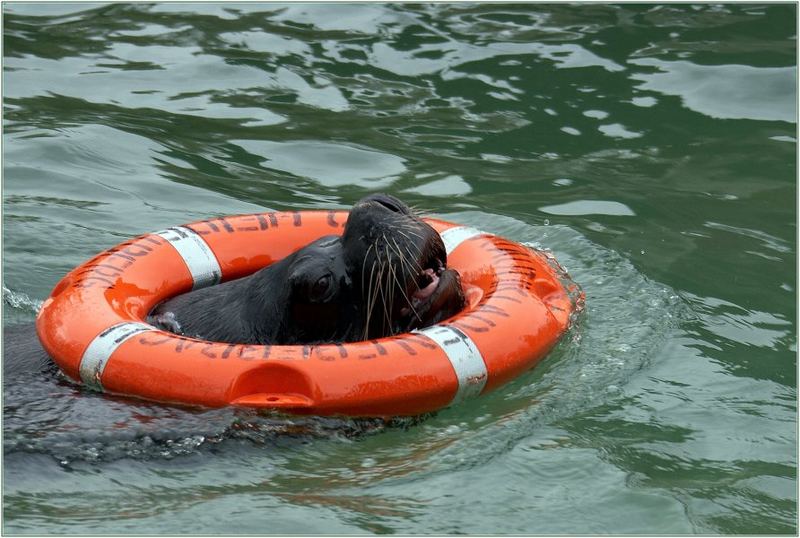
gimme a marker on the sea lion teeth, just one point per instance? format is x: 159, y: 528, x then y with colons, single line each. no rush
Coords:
x: 426, y: 291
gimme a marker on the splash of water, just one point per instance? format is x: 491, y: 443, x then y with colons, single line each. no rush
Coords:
x: 20, y: 301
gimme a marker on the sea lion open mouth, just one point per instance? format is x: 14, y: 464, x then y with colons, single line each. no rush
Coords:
x: 387, y: 274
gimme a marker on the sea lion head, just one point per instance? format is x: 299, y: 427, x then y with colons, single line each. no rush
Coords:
x: 398, y: 269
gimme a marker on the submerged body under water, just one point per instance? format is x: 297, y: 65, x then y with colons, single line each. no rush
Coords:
x: 650, y: 148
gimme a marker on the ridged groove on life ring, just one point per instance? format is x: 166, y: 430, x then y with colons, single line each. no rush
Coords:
x: 198, y: 256
x: 94, y: 359
x: 465, y: 357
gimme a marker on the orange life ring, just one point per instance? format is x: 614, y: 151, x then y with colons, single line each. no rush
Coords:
x: 92, y: 324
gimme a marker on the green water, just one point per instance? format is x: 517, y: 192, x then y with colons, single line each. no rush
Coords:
x: 652, y: 148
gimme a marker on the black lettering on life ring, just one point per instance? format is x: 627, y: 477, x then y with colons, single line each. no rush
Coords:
x: 184, y: 343
x: 512, y: 287
x: 424, y: 342
x: 145, y: 341
x: 143, y: 250
x: 207, y: 351
x: 266, y: 352
x: 526, y: 273
x: 244, y: 349
x: 379, y: 347
x: 408, y: 349
x: 262, y: 222
x: 491, y: 309
x: 516, y: 256
x: 488, y: 322
x: 101, y: 269
x: 152, y: 239
x: 321, y: 355
x: 107, y: 263
x: 115, y: 254
x: 500, y: 256
x: 273, y: 219
x: 226, y: 225
x: 84, y: 270
x: 342, y: 351
x: 523, y: 265
x: 332, y: 219
x: 111, y: 266
x: 228, y: 350
x: 98, y: 278
x: 504, y: 298
x: 297, y: 218
x: 460, y: 323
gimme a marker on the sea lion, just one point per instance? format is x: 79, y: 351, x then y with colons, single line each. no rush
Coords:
x: 385, y: 275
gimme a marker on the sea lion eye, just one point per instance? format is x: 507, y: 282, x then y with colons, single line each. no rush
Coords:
x: 320, y: 287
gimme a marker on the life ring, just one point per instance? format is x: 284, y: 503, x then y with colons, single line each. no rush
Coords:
x: 92, y: 324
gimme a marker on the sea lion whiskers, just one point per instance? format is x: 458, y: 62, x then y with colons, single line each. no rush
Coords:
x: 364, y: 266
x: 380, y: 286
x: 412, y: 257
x: 404, y: 263
x: 378, y: 293
x: 385, y: 286
x: 408, y: 228
x: 373, y: 285
x: 370, y: 299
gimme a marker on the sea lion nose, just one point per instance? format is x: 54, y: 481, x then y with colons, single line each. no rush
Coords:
x: 388, y: 201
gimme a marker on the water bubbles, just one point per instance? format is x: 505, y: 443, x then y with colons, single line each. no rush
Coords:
x: 21, y: 301
x: 450, y: 431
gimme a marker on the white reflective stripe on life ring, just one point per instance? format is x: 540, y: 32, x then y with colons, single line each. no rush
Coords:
x: 452, y: 237
x: 101, y: 348
x: 198, y: 256
x: 465, y: 357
